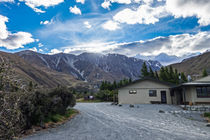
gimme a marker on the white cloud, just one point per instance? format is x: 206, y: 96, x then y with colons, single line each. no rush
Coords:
x: 87, y: 24
x: 75, y: 10
x: 34, y: 4
x: 144, y: 1
x: 38, y: 10
x: 40, y: 50
x: 16, y: 40
x: 40, y: 45
x: 44, y: 22
x: 111, y: 25
x: 3, y: 32
x: 54, y: 51
x: 7, y: 1
x: 121, y: 1
x: 188, y: 8
x: 80, y: 1
x: 107, y: 3
x: 47, y: 22
x: 13, y: 40
x: 178, y: 45
x: 33, y: 49
x: 145, y: 14
x: 96, y: 46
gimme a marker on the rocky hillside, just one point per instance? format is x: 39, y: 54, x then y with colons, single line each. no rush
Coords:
x: 194, y: 65
x: 23, y: 72
x: 90, y: 67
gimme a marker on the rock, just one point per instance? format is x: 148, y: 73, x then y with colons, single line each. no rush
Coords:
x: 116, y: 103
x: 208, y: 125
x: 131, y: 105
x: 113, y: 103
x: 161, y: 111
x: 119, y: 105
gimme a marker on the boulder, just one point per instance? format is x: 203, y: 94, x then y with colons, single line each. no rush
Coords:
x: 161, y: 111
x: 131, y: 105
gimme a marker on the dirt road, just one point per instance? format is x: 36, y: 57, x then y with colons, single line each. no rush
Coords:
x: 102, y: 121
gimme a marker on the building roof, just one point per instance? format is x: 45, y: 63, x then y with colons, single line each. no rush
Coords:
x: 200, y: 82
x: 150, y: 79
x: 207, y: 79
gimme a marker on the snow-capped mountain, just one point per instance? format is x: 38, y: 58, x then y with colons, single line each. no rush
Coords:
x: 91, y: 67
x: 166, y: 59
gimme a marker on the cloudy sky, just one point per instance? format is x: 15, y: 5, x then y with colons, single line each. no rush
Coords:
x: 130, y: 27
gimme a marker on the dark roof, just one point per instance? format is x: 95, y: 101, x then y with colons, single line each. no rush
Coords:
x: 194, y: 83
x: 150, y: 79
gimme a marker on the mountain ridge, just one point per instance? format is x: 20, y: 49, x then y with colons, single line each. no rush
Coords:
x: 91, y: 67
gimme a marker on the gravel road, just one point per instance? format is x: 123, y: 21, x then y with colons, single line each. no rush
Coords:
x: 102, y: 121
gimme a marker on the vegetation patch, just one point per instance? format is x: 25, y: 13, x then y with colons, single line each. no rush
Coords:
x: 82, y: 100
x: 207, y: 114
x: 61, y: 118
x: 21, y: 111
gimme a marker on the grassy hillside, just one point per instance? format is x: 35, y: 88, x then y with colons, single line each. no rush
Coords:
x: 41, y: 76
x: 194, y: 65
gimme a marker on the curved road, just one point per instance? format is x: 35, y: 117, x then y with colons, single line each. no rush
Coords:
x: 102, y: 121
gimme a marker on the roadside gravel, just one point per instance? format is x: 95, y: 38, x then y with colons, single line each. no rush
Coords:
x: 102, y: 121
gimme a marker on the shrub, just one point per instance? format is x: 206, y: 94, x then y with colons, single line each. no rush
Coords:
x: 19, y: 111
x: 207, y: 114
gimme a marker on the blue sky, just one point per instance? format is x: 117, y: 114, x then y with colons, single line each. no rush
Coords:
x: 129, y: 27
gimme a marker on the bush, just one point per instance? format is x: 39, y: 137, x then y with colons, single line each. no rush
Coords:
x: 19, y: 111
x: 207, y: 114
x: 106, y: 95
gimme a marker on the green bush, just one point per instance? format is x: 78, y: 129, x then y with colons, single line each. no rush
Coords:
x: 58, y: 118
x: 207, y: 114
x: 19, y: 111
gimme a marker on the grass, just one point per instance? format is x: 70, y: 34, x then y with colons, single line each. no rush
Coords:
x: 87, y: 101
x: 207, y: 114
x: 60, y: 118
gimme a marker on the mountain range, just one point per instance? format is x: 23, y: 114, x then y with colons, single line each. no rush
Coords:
x: 88, y: 70
x: 166, y: 59
x: 24, y: 72
x: 90, y: 67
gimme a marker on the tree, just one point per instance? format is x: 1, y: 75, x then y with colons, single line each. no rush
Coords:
x: 171, y: 73
x: 163, y: 76
x: 183, y: 77
x: 130, y: 80
x: 30, y: 86
x: 204, y: 73
x: 114, y: 85
x: 144, y: 71
x: 151, y: 73
x: 176, y: 77
x: 156, y: 75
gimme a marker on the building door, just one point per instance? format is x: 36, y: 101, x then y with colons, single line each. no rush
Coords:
x: 163, y: 97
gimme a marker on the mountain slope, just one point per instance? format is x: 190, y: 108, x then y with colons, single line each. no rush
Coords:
x: 42, y: 76
x: 166, y: 59
x: 194, y: 65
x: 91, y: 67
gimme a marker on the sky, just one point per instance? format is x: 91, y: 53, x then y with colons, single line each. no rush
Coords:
x: 128, y: 27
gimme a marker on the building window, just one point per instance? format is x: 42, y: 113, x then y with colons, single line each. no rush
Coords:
x: 152, y: 93
x: 132, y: 91
x: 203, y: 92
